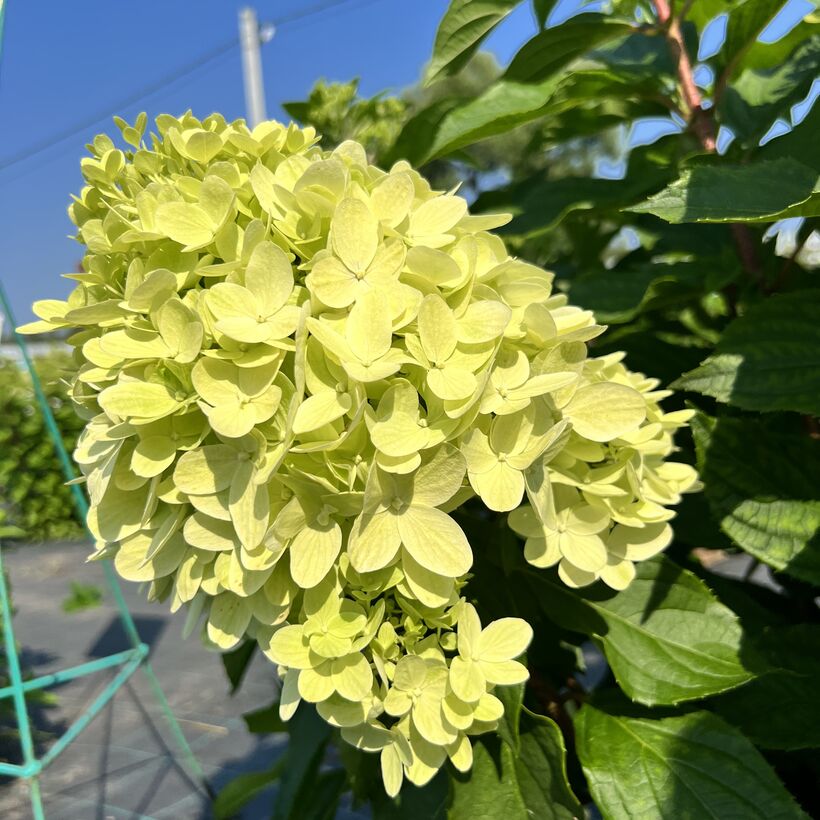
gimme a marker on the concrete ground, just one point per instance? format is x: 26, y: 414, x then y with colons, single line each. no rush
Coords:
x: 124, y: 765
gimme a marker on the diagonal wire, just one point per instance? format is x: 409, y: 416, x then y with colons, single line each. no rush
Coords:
x: 333, y: 7
x: 127, y: 102
x: 8, y: 176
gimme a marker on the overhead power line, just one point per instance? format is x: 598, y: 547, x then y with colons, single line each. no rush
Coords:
x: 167, y: 81
x: 318, y: 8
x: 126, y: 102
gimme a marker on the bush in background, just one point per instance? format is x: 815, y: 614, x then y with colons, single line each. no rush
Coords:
x: 35, y: 504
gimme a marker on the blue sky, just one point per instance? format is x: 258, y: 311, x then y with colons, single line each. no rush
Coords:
x: 63, y: 62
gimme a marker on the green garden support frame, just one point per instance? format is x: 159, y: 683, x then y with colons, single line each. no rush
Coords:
x: 127, y: 662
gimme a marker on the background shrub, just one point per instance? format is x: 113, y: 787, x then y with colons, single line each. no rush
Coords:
x: 34, y: 501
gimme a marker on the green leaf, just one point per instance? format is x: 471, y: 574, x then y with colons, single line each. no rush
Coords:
x: 746, y: 22
x: 542, y: 9
x: 308, y: 737
x: 771, y: 54
x: 691, y: 766
x: 505, y: 786
x: 541, y: 769
x: 800, y: 143
x: 539, y: 203
x: 639, y: 54
x: 513, y: 699
x: 504, y: 106
x: 418, y: 133
x: 768, y: 359
x: 618, y: 296
x: 319, y: 798
x: 265, y: 721
x: 758, y: 96
x: 762, y: 486
x: 787, y: 695
x: 236, y: 662
x: 244, y: 788
x: 299, y: 110
x: 490, y: 790
x: 414, y: 802
x: 758, y: 192
x: 666, y: 637
x: 462, y: 30
x: 648, y: 352
x: 552, y: 49
x: 704, y: 11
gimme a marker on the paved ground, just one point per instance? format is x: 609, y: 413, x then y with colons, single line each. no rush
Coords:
x: 123, y: 765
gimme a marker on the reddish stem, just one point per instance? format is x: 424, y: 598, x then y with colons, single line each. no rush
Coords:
x: 699, y: 120
x: 702, y: 123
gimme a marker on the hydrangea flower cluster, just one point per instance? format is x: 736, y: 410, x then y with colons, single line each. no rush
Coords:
x: 294, y: 366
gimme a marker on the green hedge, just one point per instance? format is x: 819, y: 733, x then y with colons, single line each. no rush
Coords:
x: 35, y: 504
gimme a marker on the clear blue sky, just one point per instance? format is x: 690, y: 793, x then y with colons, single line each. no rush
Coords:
x: 65, y: 61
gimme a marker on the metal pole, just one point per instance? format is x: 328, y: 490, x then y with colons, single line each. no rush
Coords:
x: 32, y: 767
x: 249, y: 41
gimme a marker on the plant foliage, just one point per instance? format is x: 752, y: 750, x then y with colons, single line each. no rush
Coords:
x: 35, y: 504
x: 655, y: 685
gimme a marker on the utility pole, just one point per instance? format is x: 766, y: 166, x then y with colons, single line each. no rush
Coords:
x: 251, y: 36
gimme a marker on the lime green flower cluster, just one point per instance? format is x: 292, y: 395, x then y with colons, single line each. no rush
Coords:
x: 293, y: 367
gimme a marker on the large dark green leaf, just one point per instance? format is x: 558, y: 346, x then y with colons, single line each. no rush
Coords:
x: 758, y: 96
x: 508, y: 727
x: 542, y: 9
x: 503, y: 785
x: 762, y: 485
x: 639, y: 54
x: 693, y: 766
x: 790, y: 687
x: 611, y: 97
x: 758, y: 192
x: 648, y: 352
x: 237, y: 661
x: 800, y: 143
x: 579, y: 117
x: 462, y: 29
x: 771, y: 54
x: 308, y: 737
x: 265, y: 721
x: 746, y: 22
x: 414, y: 802
x: 768, y: 359
x: 319, y: 799
x: 541, y: 769
x: 504, y: 106
x: 619, y: 296
x: 244, y: 788
x: 666, y: 637
x: 703, y: 11
x: 552, y: 49
x: 419, y: 132
x: 539, y: 203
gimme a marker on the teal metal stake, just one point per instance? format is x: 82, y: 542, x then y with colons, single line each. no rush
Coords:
x: 31, y: 767
x: 131, y: 660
